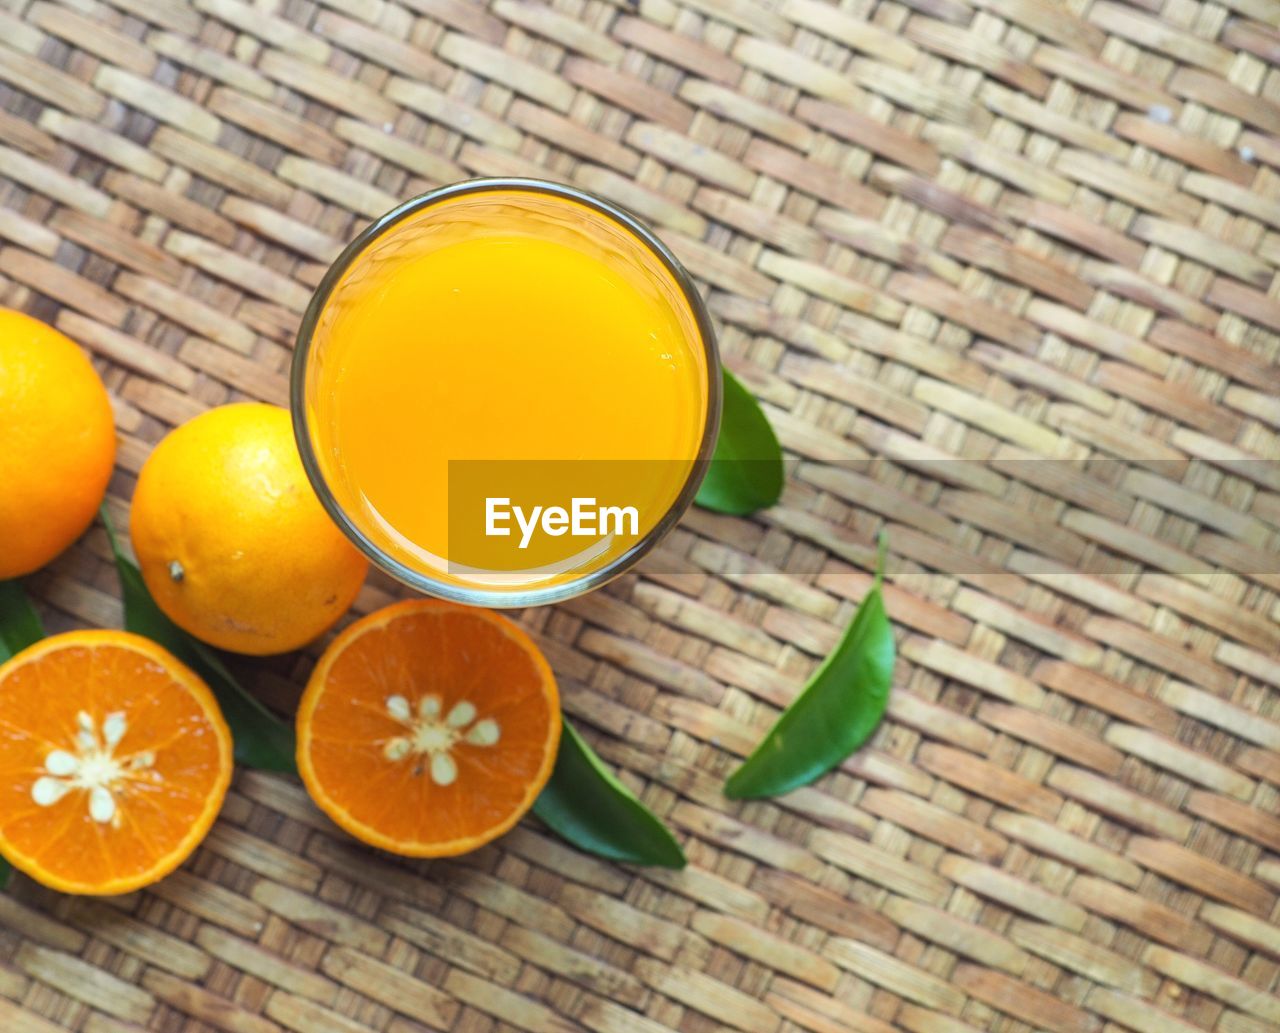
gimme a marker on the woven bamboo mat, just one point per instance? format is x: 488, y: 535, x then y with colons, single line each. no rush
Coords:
x: 969, y: 232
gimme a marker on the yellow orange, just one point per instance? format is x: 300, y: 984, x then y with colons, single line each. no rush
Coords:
x: 57, y: 443
x: 232, y: 541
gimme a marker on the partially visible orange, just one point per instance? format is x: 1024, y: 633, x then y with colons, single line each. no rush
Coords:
x: 57, y: 443
x: 428, y: 729
x: 232, y: 541
x: 114, y: 761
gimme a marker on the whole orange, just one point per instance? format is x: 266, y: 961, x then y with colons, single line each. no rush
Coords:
x: 232, y: 541
x: 57, y: 443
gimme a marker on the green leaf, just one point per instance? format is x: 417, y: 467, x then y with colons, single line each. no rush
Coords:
x: 261, y: 739
x: 19, y: 623
x: 745, y: 473
x: 590, y: 808
x: 19, y: 627
x: 835, y: 713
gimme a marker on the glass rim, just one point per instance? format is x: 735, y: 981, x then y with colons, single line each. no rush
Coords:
x: 492, y: 598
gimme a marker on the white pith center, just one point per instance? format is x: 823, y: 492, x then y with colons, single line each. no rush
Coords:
x: 93, y: 768
x: 432, y: 734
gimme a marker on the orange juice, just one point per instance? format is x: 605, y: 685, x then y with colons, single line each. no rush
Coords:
x: 492, y: 353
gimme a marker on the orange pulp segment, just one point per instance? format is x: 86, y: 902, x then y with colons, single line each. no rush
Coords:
x: 428, y: 729
x: 114, y: 761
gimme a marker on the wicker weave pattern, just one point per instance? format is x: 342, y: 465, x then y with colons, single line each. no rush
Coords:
x: 963, y: 229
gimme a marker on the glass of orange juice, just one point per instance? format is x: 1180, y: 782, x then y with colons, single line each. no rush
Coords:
x: 506, y: 391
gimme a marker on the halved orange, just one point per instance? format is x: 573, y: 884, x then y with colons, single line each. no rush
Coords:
x: 428, y: 729
x: 114, y: 761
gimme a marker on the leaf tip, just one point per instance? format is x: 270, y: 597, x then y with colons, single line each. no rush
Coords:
x: 672, y: 856
x: 733, y: 787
